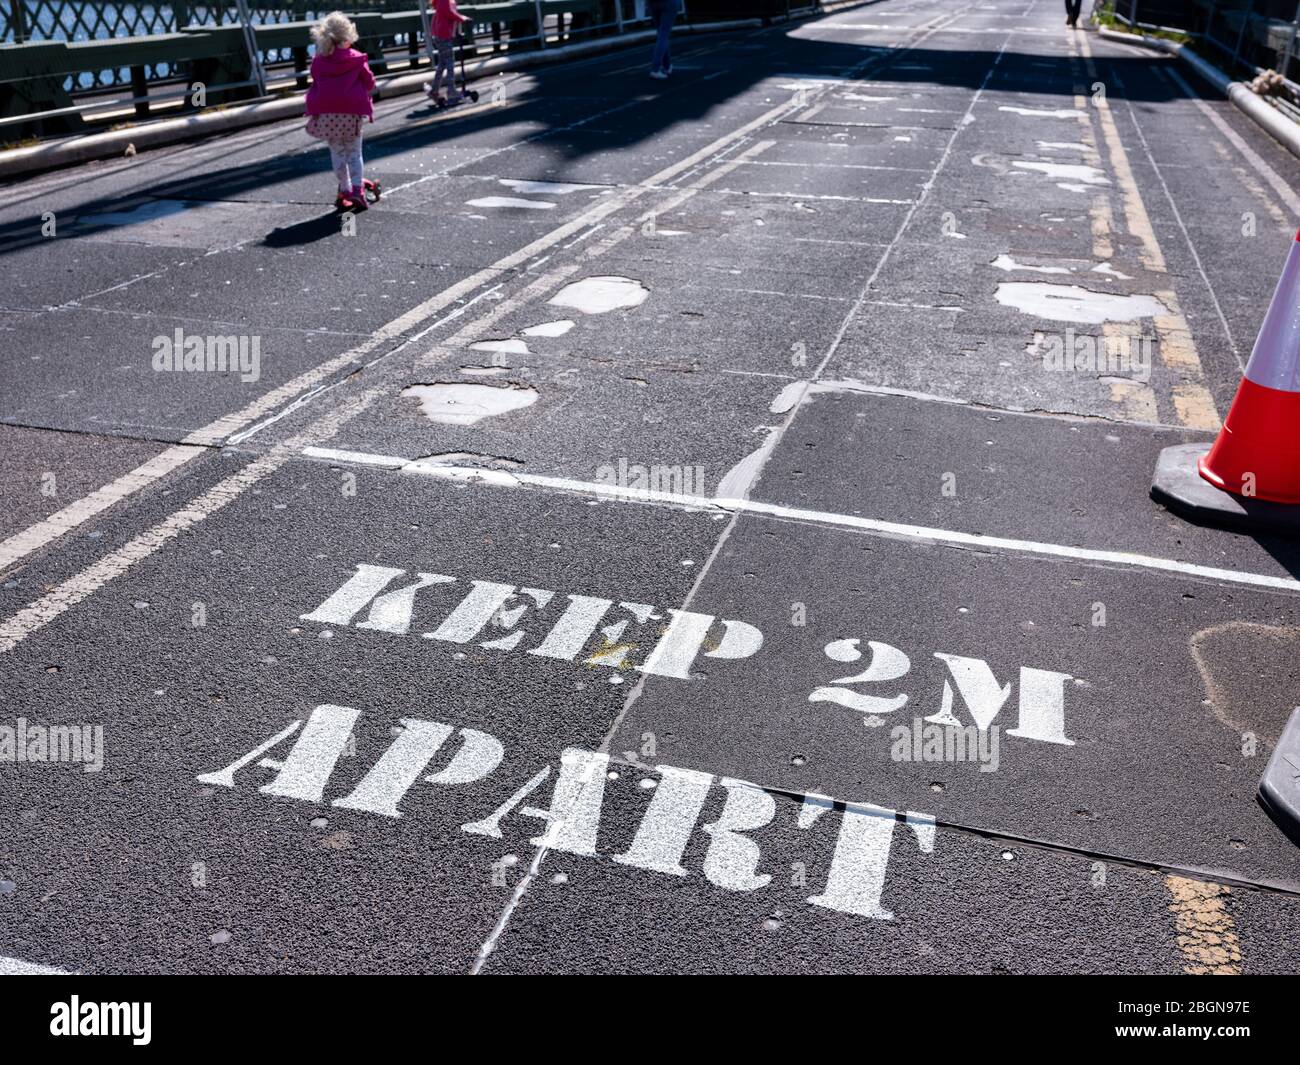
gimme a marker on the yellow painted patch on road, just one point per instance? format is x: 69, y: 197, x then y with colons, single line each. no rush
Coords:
x: 1206, y: 937
x: 1193, y: 403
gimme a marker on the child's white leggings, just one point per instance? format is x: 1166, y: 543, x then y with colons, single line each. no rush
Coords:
x: 346, y: 160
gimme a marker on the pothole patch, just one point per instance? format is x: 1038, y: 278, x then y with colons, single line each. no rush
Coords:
x: 465, y: 404
x: 1073, y: 303
x: 601, y: 294
x: 511, y: 201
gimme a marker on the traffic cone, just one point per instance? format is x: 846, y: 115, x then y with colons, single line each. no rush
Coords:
x: 1257, y: 453
x: 1254, y: 464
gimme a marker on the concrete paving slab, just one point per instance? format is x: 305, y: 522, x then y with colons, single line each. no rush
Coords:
x: 101, y: 376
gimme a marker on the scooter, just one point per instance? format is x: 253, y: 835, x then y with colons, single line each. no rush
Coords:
x: 370, y: 190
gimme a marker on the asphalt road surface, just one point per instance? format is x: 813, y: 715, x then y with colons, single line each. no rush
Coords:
x: 662, y: 534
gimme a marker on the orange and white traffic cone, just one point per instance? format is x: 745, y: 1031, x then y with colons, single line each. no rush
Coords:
x: 1257, y: 453
x: 1254, y: 465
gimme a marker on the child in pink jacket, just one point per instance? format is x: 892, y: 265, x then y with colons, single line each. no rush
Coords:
x: 446, y: 24
x: 338, y: 103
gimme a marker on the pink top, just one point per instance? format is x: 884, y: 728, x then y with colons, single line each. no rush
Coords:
x: 446, y: 18
x: 341, y: 84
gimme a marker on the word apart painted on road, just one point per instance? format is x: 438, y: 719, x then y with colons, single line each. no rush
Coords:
x: 854, y: 877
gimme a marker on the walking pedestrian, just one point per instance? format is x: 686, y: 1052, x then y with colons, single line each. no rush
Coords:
x: 339, y: 104
x: 1072, y: 13
x: 663, y: 13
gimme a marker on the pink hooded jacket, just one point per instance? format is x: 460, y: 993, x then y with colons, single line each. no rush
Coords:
x: 341, y: 84
x: 446, y: 19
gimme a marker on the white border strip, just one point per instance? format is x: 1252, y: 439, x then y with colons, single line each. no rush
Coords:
x: 502, y: 479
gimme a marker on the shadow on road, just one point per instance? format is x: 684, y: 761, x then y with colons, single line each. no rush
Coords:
x: 301, y: 233
x: 622, y: 112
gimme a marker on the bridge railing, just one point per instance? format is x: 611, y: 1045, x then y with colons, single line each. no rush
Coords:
x: 1242, y: 36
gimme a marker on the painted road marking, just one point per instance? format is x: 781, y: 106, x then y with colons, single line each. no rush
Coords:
x: 1135, y: 399
x: 1207, y: 937
x: 51, y: 528
x: 18, y: 967
x: 1193, y: 403
x: 854, y: 882
x: 978, y: 541
x: 72, y: 591
x: 668, y: 641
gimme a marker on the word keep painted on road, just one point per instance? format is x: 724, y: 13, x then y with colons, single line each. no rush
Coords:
x: 593, y: 631
x: 854, y: 881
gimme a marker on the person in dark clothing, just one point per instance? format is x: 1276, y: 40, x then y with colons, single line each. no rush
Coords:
x: 663, y: 13
x: 1072, y: 12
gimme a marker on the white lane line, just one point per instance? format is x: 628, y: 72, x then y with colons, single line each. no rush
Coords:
x: 51, y: 528
x: 1262, y: 168
x: 18, y: 967
x: 72, y: 591
x: 899, y: 530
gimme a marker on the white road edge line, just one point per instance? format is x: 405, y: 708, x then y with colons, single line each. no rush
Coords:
x: 51, y: 528
x: 901, y: 530
x: 68, y: 593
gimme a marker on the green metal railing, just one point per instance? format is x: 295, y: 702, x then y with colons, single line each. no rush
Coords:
x: 64, y: 65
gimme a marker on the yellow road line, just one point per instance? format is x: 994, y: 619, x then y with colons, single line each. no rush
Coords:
x: 1192, y: 401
